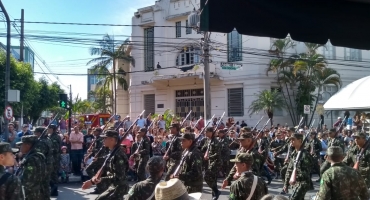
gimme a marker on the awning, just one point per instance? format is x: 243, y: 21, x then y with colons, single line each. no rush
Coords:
x: 344, y: 22
x: 352, y: 97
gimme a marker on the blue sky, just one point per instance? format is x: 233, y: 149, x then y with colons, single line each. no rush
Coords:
x: 58, y: 56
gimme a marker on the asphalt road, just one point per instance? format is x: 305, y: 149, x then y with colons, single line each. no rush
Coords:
x: 73, y: 191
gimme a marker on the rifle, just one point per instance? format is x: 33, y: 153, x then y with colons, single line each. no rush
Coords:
x: 361, y: 154
x: 92, y: 144
x: 116, y: 148
x: 176, y: 173
x: 204, y: 129
x: 141, y: 143
x: 318, y: 126
x: 206, y: 155
x: 341, y: 124
x: 293, y: 177
x: 313, y: 122
x: 257, y: 123
x: 299, y: 125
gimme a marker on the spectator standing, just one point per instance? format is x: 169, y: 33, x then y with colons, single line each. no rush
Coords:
x: 141, y: 122
x: 25, y: 131
x: 12, y: 138
x: 243, y: 124
x: 65, y: 163
x: 127, y: 123
x: 63, y: 126
x: 118, y: 123
x: 161, y: 123
x: 76, y: 140
x: 88, y: 139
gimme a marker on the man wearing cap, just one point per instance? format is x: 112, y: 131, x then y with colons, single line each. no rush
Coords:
x: 32, y: 168
x: 56, y: 148
x: 174, y: 150
x: 247, y: 186
x: 286, y: 151
x: 334, y: 140
x: 341, y: 181
x: 275, y: 145
x: 302, y: 180
x: 116, y: 168
x: 143, y: 153
x: 10, y: 187
x: 314, y: 147
x: 354, y: 153
x: 190, y: 173
x: 145, y: 189
x: 225, y: 151
x: 44, y: 146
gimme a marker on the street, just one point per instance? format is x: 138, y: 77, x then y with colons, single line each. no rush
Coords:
x: 73, y: 191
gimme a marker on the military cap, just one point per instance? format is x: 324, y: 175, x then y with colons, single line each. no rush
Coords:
x: 243, y: 158
x: 98, y: 129
x: 359, y: 134
x: 5, y: 147
x: 188, y: 136
x: 142, y: 130
x: 334, y: 151
x: 155, y: 165
x: 223, y: 131
x: 245, y: 136
x: 52, y: 126
x: 175, y: 125
x: 297, y: 136
x: 29, y: 139
x: 111, y: 133
x: 332, y: 130
x: 292, y: 129
x: 209, y: 129
x: 39, y: 129
x: 246, y: 129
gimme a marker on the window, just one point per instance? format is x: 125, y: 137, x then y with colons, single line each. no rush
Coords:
x: 149, y: 104
x: 328, y: 91
x: 188, y: 56
x: 234, y: 46
x: 329, y: 51
x: 278, y: 112
x: 149, y: 49
x: 178, y: 29
x: 352, y: 54
x: 235, y: 102
x: 188, y: 29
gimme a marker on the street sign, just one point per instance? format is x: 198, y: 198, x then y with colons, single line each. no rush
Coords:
x: 306, y: 109
x: 8, y: 112
x: 231, y: 66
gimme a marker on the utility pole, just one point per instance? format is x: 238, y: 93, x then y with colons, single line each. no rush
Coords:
x: 70, y: 110
x: 21, y: 48
x: 207, y: 82
x: 114, y: 82
x: 7, y: 68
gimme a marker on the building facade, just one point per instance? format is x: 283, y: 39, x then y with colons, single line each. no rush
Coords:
x: 168, y: 72
x: 92, y: 80
x: 29, y: 55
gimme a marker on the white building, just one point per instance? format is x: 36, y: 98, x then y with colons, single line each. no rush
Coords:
x: 160, y: 36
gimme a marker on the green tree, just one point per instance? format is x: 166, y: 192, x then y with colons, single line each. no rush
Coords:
x: 109, y: 53
x: 267, y: 101
x: 168, y: 117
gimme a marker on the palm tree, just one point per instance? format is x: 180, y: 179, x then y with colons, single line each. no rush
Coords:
x: 101, y: 96
x: 267, y: 101
x: 109, y: 53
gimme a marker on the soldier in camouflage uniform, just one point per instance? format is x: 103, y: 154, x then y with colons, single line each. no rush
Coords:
x: 212, y: 156
x: 364, y: 163
x: 314, y: 147
x: 145, y: 189
x: 303, y: 180
x: 225, y: 151
x: 11, y: 189
x: 276, y: 145
x: 242, y: 187
x: 116, y: 168
x: 334, y: 140
x: 44, y: 146
x: 143, y: 153
x: 56, y: 148
x: 283, y: 152
x: 341, y: 181
x: 175, y: 151
x: 191, y: 170
x: 32, y: 168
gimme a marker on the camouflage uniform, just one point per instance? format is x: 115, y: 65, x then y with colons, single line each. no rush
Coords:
x: 242, y: 187
x: 94, y: 167
x: 314, y: 147
x: 116, y: 168
x: 144, y: 151
x: 225, y: 154
x: 278, y: 162
x: 214, y: 164
x: 32, y: 170
x: 56, y: 148
x: 12, y: 187
x: 145, y: 189
x: 174, y: 156
x: 44, y: 146
x: 337, y: 141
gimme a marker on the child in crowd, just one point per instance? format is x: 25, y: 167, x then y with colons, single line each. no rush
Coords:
x: 84, y: 164
x: 65, y: 162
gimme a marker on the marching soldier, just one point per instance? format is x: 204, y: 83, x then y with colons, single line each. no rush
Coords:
x: 314, y: 147
x: 56, y: 148
x: 45, y: 147
x: 247, y: 186
x: 303, y: 180
x: 275, y: 145
x: 233, y: 146
x: 285, y: 153
x: 32, y: 168
x: 364, y: 160
x: 334, y: 140
x: 145, y: 189
x: 341, y: 181
x: 143, y: 152
x: 191, y: 170
x: 116, y: 171
x: 10, y: 185
x: 175, y: 151
x: 212, y: 156
x: 225, y: 151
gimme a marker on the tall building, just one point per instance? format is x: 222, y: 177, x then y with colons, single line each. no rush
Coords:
x: 29, y: 55
x: 169, y: 70
x: 92, y: 80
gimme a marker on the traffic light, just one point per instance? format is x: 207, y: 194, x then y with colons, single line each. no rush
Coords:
x: 63, y: 100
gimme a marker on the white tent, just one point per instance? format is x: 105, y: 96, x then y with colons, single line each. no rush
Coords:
x: 354, y: 96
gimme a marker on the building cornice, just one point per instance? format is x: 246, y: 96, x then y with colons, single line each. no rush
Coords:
x: 145, y: 9
x: 177, y: 16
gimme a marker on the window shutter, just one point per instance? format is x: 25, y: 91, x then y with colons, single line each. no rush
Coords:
x: 235, y: 102
x: 149, y: 104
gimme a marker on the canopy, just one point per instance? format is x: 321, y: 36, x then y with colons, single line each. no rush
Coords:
x: 344, y: 22
x: 352, y: 97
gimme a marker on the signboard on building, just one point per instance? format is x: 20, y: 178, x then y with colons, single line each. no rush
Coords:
x: 231, y: 66
x: 306, y: 109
